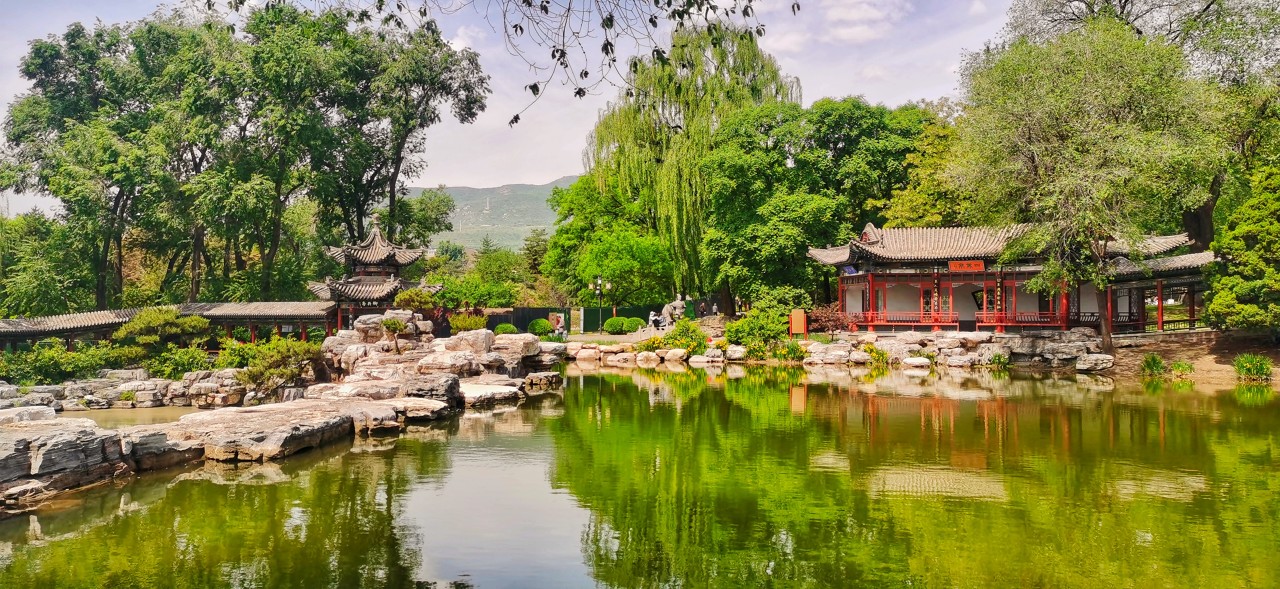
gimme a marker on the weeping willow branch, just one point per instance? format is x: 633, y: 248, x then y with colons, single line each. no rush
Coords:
x: 649, y: 143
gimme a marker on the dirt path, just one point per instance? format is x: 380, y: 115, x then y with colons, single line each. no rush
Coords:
x: 1211, y: 354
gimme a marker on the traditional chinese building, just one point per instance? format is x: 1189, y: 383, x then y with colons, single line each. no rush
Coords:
x: 373, y: 279
x: 950, y: 277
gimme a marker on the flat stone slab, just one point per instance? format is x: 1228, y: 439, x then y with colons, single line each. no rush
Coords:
x: 40, y: 454
x: 272, y: 432
x: 487, y: 395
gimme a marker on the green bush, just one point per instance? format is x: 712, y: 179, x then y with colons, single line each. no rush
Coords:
x: 540, y: 327
x: 1181, y: 369
x: 49, y: 362
x: 235, y: 354
x: 416, y: 300
x: 879, y: 358
x: 554, y: 338
x: 279, y: 362
x: 504, y: 329
x: 175, y: 362
x: 615, y: 325
x: 1253, y: 368
x: 790, y: 351
x: 1153, y: 366
x: 157, y: 327
x: 686, y: 335
x: 652, y: 344
x: 461, y: 322
x: 635, y: 324
x: 932, y: 357
x: 128, y: 396
x: 1000, y: 362
x: 122, y: 356
x: 759, y: 325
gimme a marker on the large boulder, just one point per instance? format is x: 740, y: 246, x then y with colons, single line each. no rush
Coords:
x: 676, y: 355
x: 41, y: 454
x: 621, y: 359
x: 735, y: 353
x: 588, y: 355
x: 478, y: 342
x: 917, y: 362
x: 462, y: 363
x: 985, y: 352
x: 647, y: 360
x: 369, y: 328
x: 961, y: 361
x: 912, y: 337
x: 1095, y: 362
x: 522, y: 344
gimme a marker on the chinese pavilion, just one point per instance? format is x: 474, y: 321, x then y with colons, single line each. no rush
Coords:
x: 950, y: 277
x: 373, y: 278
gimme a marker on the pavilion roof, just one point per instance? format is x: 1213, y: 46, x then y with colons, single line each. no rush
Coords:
x: 365, y: 288
x: 67, y: 323
x: 1124, y: 267
x: 939, y: 244
x: 375, y: 250
x: 73, y: 323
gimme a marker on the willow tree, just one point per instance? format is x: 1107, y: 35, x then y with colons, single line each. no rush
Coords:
x: 649, y: 143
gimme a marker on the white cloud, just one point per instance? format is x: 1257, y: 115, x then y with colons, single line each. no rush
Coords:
x: 872, y: 73
x: 786, y: 42
x: 862, y: 21
x: 978, y: 8
x: 467, y: 36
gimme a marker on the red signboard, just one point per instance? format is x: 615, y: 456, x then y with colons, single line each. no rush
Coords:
x: 966, y: 266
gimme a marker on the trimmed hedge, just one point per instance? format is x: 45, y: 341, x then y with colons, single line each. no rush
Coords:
x: 505, y: 328
x: 540, y: 327
x: 615, y: 325
x: 635, y: 324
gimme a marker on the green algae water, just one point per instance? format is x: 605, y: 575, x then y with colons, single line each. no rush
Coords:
x: 744, y: 478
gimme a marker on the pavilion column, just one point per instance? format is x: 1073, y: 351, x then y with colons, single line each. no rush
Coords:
x: 1111, y: 315
x: 1065, y: 303
x: 872, y: 309
x: 1159, y: 305
x: 253, y: 333
x: 302, y: 330
x: 227, y: 327
x: 1191, y: 305
x: 934, y: 300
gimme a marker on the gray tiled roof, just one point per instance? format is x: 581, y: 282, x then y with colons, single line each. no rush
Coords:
x: 317, y: 310
x: 375, y: 249
x: 1125, y: 267
x: 937, y: 244
x: 73, y: 323
x: 363, y: 288
x: 68, y: 323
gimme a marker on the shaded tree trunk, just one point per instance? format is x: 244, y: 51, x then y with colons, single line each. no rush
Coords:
x: 197, y: 249
x: 1104, y: 318
x: 1198, y: 222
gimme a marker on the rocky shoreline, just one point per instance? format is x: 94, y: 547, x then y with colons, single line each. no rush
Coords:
x: 383, y: 385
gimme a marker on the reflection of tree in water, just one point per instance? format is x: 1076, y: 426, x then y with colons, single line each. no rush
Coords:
x: 336, y: 523
x: 740, y: 484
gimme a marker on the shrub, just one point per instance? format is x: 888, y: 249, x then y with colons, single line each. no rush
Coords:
x: 505, y: 329
x: 1181, y: 369
x: 394, y: 327
x: 416, y: 300
x: 279, y: 362
x: 49, y: 362
x: 539, y: 327
x: 461, y: 322
x: 757, y: 351
x: 686, y: 334
x: 122, y: 356
x: 760, y: 325
x: 635, y: 324
x: 1253, y: 368
x: 652, y: 344
x: 879, y: 358
x: 175, y: 362
x: 553, y: 337
x: 128, y: 396
x: 159, y: 326
x: 615, y: 325
x: 1000, y: 362
x: 789, y: 351
x: 235, y: 354
x: 828, y: 319
x: 1153, y: 366
x: 931, y: 356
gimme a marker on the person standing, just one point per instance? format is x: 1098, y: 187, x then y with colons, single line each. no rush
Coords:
x: 715, y: 309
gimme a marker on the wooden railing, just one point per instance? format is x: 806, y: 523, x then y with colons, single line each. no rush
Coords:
x: 903, y: 318
x: 1018, y: 318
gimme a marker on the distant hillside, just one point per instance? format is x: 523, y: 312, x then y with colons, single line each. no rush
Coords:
x: 505, y: 213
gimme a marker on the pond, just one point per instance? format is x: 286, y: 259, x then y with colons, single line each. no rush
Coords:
x: 774, y: 477
x: 118, y: 418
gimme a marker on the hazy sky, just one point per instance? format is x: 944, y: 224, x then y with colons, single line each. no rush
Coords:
x: 888, y: 51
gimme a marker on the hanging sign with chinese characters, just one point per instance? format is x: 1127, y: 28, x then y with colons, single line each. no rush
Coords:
x: 966, y: 266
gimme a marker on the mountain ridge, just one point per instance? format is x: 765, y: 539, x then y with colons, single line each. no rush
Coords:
x: 506, y: 213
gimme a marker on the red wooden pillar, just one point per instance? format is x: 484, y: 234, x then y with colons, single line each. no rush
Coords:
x: 302, y: 328
x: 1111, y: 315
x: 871, y: 299
x: 253, y: 334
x: 228, y: 328
x: 1159, y: 305
x: 1065, y: 301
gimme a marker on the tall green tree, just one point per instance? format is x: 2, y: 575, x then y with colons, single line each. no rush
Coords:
x: 1098, y: 136
x: 1245, y: 281
x: 649, y: 143
x: 782, y: 178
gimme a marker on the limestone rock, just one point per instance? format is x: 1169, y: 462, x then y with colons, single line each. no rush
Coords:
x: 571, y: 349
x: 961, y: 361
x: 985, y: 352
x: 735, y: 353
x: 859, y: 357
x: 461, y: 363
x: 912, y: 337
x: 621, y: 359
x: 916, y: 362
x: 714, y: 353
x: 701, y: 360
x: 611, y: 349
x: 947, y: 343
x: 522, y: 344
x: 40, y: 455
x: 543, y: 381
x: 1094, y: 362
x: 588, y: 355
x: 488, y: 395
x: 647, y: 359
x: 478, y: 342
x: 556, y: 348
x: 676, y: 355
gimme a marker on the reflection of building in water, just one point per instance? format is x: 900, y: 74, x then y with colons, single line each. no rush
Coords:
x: 938, y: 482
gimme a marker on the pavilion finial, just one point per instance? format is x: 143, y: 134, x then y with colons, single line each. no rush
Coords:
x: 374, y: 221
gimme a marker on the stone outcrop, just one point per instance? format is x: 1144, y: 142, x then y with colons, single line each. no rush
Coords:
x: 42, y: 454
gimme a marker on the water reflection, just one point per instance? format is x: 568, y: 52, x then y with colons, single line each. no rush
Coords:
x: 777, y: 477
x: 738, y: 477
